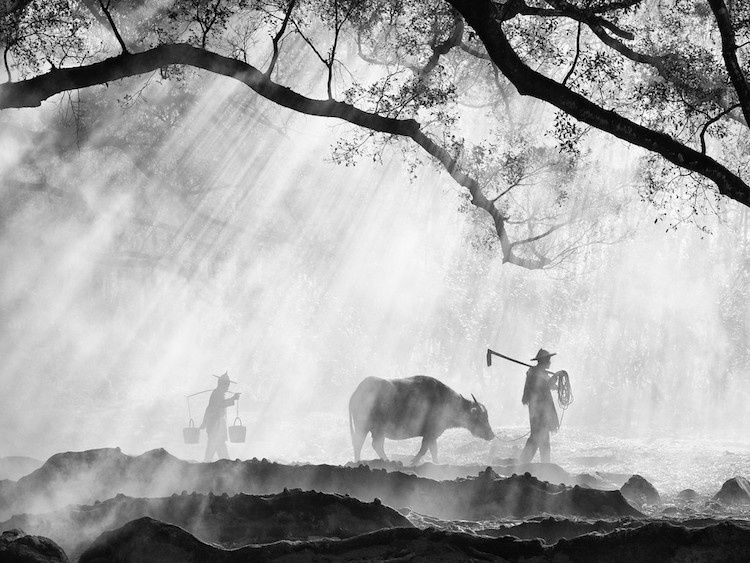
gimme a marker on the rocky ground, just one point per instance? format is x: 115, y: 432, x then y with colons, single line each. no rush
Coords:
x: 102, y: 505
x: 147, y: 540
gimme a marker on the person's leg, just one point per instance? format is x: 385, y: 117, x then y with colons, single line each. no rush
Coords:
x: 530, y: 448
x: 210, y: 448
x: 221, y: 449
x: 544, y: 447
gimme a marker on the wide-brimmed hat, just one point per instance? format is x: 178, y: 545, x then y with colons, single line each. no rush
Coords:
x: 542, y: 354
x: 224, y: 377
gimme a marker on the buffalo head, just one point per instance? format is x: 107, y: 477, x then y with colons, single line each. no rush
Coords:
x: 478, y: 422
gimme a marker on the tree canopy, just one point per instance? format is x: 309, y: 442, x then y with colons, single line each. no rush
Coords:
x: 667, y: 76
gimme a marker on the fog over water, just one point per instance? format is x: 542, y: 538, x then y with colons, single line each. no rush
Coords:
x: 119, y: 297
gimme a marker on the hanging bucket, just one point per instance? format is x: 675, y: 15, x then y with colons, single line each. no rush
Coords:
x: 191, y: 434
x: 237, y: 431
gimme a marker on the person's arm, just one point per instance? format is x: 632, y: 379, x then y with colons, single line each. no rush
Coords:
x: 527, y: 388
x: 553, y: 380
x: 230, y: 401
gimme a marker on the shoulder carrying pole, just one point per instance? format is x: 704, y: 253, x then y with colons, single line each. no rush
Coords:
x: 190, y: 414
x: 491, y: 353
x: 564, y: 392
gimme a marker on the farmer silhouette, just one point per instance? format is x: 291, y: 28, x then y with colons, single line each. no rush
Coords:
x: 537, y: 393
x: 215, y: 418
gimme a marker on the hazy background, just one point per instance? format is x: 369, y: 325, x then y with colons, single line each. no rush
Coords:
x: 234, y: 244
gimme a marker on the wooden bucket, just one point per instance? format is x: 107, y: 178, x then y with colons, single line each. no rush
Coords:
x: 237, y: 432
x: 191, y: 434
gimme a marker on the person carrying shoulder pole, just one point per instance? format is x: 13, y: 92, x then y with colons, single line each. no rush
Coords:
x: 537, y: 394
x: 215, y: 418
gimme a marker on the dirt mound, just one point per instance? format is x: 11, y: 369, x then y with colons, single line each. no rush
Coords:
x: 543, y: 471
x: 84, y: 477
x: 734, y: 491
x: 19, y: 547
x: 552, y: 529
x: 728, y: 542
x: 146, y: 540
x: 15, y: 467
x: 228, y: 521
x: 525, y: 495
x: 640, y: 492
x: 687, y: 495
x: 554, y: 474
x: 88, y: 476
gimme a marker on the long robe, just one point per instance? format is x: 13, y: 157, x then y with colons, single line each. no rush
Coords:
x: 537, y: 394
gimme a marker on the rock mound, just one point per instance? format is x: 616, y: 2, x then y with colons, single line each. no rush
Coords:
x: 640, y: 492
x: 18, y: 547
x: 734, y: 491
x: 552, y: 529
x: 87, y: 476
x: 15, y: 467
x: 228, y: 521
x: 82, y: 478
x: 542, y: 471
x: 146, y: 540
x: 687, y: 495
x: 552, y: 473
x: 662, y: 541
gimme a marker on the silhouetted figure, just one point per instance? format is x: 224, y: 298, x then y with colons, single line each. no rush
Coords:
x: 537, y: 393
x: 215, y: 418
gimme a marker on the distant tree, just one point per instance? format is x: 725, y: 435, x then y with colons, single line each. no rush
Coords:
x: 666, y: 76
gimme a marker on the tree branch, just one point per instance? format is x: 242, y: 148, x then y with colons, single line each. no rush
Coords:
x: 565, y: 8
x: 443, y: 48
x: 575, y: 59
x: 660, y: 63
x: 7, y: 64
x: 31, y: 93
x: 482, y: 16
x: 278, y: 36
x: 91, y: 5
x: 710, y: 122
x: 8, y: 7
x: 111, y: 21
x: 474, y: 52
x: 615, y: 6
x: 729, y: 52
x: 540, y: 236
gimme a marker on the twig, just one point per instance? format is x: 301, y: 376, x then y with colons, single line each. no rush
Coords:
x: 105, y: 9
x: 710, y: 122
x: 278, y: 36
x: 575, y: 59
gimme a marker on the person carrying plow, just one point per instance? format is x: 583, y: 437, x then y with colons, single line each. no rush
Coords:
x: 537, y: 394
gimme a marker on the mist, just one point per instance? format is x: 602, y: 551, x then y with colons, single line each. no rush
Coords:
x: 121, y: 294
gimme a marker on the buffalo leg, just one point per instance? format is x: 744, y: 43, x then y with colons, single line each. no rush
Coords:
x: 426, y: 443
x: 433, y: 451
x: 378, y: 441
x: 358, y: 439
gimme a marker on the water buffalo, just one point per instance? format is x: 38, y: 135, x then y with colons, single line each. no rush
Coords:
x: 410, y: 407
